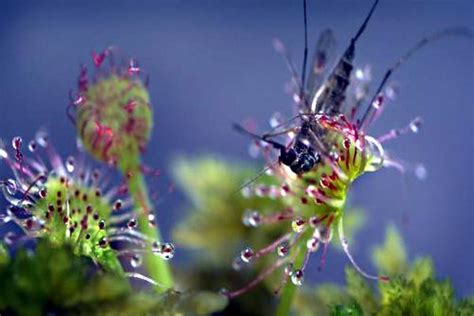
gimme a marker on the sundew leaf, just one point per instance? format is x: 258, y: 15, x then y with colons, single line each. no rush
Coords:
x: 52, y: 279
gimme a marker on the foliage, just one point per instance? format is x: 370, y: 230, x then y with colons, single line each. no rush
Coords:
x: 53, y: 279
x: 414, y: 289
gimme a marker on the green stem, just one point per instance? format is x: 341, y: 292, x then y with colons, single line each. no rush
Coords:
x: 158, y: 269
x: 284, y: 307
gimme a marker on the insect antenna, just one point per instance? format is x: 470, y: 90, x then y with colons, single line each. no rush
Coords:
x: 305, y: 54
x: 242, y: 130
x: 455, y: 31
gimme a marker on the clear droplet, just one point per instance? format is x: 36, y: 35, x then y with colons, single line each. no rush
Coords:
x: 297, y: 277
x: 251, y: 218
x: 70, y: 163
x: 420, y: 172
x: 17, y: 142
x: 151, y: 220
x: 415, y: 125
x: 283, y: 249
x: 325, y: 234
x: 32, y: 146
x: 136, y: 261
x: 312, y: 244
x: 247, y: 255
x: 276, y: 119
x: 132, y: 223
x: 254, y: 150
x: 167, y: 251
x: 43, y: 192
x: 298, y: 225
x: 9, y: 238
x: 11, y: 186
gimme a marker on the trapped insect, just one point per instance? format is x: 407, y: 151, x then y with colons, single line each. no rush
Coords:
x: 322, y: 150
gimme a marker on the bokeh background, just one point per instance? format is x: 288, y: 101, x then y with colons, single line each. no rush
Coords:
x: 212, y: 63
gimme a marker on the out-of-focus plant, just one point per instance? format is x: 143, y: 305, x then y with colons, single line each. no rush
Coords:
x: 413, y: 290
x: 53, y: 279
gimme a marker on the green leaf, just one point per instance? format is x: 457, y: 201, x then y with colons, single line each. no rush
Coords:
x: 391, y: 257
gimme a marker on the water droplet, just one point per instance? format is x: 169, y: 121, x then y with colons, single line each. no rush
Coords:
x: 42, y: 138
x: 9, y: 238
x: 16, y: 142
x: 297, y: 277
x: 136, y: 261
x: 325, y: 234
x: 118, y: 204
x: 246, y: 191
x: 283, y: 249
x: 288, y: 269
x: 167, y: 251
x: 32, y: 146
x: 11, y: 186
x: 420, y: 172
x: 43, y: 192
x: 276, y: 119
x: 298, y: 225
x: 103, y: 242
x: 101, y: 224
x: 151, y: 220
x: 312, y: 244
x: 247, y: 255
x: 415, y: 125
x: 132, y: 223
x: 251, y: 218
x: 224, y: 291
x: 70, y: 164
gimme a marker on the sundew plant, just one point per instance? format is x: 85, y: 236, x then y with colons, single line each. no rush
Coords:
x: 106, y: 212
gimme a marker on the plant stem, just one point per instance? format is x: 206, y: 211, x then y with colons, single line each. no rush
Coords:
x: 158, y: 269
x: 286, y: 300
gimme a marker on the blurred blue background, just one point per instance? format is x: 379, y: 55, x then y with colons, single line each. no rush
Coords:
x: 212, y: 63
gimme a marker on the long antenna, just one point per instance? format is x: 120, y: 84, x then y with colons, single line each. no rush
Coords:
x: 364, y: 25
x: 305, y: 54
x: 242, y: 130
x: 455, y: 31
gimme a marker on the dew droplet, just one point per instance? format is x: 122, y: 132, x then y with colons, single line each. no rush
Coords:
x: 288, y: 269
x: 298, y: 225
x: 420, y: 172
x: 32, y: 146
x: 11, y: 186
x: 297, y: 277
x: 276, y: 119
x: 312, y: 244
x: 325, y: 234
x: 136, y: 261
x: 151, y: 220
x: 16, y: 142
x: 251, y: 218
x: 103, y: 242
x: 254, y: 149
x: 70, y: 164
x: 167, y: 251
x: 118, y: 204
x: 283, y: 249
x: 415, y: 125
x: 247, y: 255
x: 9, y: 238
x: 132, y: 223
x: 43, y: 192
